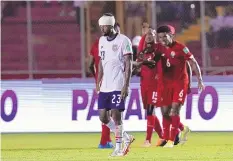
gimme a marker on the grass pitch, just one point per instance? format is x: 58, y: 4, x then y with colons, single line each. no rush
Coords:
x: 83, y: 147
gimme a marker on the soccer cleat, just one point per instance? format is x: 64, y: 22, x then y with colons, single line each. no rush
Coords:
x: 117, y: 153
x: 170, y: 144
x: 146, y: 144
x: 161, y: 142
x: 184, y: 135
x: 109, y: 145
x: 127, y: 142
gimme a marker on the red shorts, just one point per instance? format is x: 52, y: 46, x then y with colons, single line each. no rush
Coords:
x: 175, y: 92
x: 149, y: 95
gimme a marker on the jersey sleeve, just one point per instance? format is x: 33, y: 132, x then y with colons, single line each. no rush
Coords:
x: 99, y: 47
x: 186, y: 53
x: 141, y: 43
x: 127, y: 47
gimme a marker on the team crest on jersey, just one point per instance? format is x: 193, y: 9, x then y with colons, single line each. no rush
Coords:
x: 114, y: 47
x: 173, y: 54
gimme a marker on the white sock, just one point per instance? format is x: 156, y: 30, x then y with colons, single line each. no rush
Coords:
x: 111, y: 125
x: 118, y: 136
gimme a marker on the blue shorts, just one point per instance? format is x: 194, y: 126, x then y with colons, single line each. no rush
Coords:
x: 111, y: 100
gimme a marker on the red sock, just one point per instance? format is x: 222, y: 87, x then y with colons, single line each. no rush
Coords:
x: 175, y: 126
x: 104, y: 136
x: 150, y: 127
x: 166, y: 128
x: 158, y: 127
x: 108, y: 135
x: 181, y: 126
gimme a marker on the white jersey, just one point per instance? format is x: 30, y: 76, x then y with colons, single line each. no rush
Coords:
x: 112, y: 57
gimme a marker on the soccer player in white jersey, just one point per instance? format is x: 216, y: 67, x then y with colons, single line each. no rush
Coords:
x: 115, y: 67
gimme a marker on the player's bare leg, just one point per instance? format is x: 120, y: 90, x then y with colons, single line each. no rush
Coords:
x: 104, y: 116
x: 120, y: 135
x: 113, y: 125
x: 175, y: 121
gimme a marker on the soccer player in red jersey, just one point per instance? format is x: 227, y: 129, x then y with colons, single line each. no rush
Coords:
x: 176, y: 82
x: 156, y: 124
x: 145, y: 60
x: 105, y: 141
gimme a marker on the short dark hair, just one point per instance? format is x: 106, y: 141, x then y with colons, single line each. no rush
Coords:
x: 166, y: 28
x: 108, y: 14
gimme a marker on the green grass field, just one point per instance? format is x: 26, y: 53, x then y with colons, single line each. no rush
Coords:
x: 83, y: 147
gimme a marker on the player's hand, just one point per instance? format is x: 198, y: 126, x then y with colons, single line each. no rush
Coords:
x: 149, y: 63
x: 137, y: 64
x: 201, y: 85
x: 124, y: 92
x: 97, y: 88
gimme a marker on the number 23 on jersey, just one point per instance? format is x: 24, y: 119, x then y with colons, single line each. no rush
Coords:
x: 102, y: 53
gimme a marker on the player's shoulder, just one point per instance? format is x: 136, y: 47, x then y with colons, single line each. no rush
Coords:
x: 123, y: 37
x: 179, y: 45
x: 101, y: 38
x: 182, y: 47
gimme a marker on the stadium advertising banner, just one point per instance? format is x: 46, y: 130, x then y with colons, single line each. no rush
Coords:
x: 58, y: 105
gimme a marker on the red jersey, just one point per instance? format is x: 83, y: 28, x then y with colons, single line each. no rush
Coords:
x: 95, y: 53
x: 148, y: 75
x: 174, y: 63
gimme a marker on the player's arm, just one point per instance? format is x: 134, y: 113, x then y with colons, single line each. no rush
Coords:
x: 91, y: 65
x: 189, y: 71
x: 128, y: 68
x: 195, y: 66
x: 100, y: 76
x: 128, y: 58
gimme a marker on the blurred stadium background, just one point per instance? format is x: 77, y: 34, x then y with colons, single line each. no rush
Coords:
x: 52, y: 39
x: 42, y: 41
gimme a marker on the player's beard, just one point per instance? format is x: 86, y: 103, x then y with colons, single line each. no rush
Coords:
x: 107, y: 33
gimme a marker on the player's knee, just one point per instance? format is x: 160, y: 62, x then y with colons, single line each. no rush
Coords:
x: 174, y: 111
x: 117, y: 120
x: 165, y: 111
x: 116, y: 116
x: 104, y: 119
